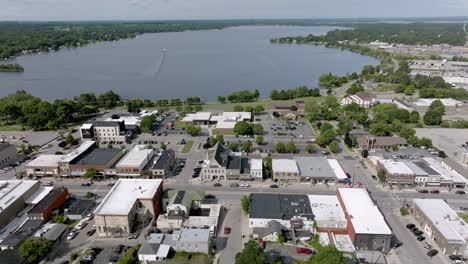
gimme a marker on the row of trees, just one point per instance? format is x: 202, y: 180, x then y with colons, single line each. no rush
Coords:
x: 245, y: 128
x: 301, y: 91
x: 241, y: 96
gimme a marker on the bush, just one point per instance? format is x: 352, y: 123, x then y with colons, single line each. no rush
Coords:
x: 404, y: 211
x: 32, y: 250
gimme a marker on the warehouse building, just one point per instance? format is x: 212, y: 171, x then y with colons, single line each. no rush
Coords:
x: 13, y: 197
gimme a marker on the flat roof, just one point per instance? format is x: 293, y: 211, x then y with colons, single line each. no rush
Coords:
x: 139, y: 155
x: 326, y: 208
x: 447, y: 173
x: 98, y: 157
x: 47, y: 200
x: 365, y: 216
x: 285, y: 165
x: 39, y: 195
x: 124, y: 194
x: 256, y: 164
x: 11, y: 190
x: 314, y: 167
x: 337, y: 169
x: 78, y: 151
x: 444, y: 218
x: 45, y: 160
x: 445, y: 101
x: 395, y: 167
x: 86, y: 126
x: 280, y: 206
x: 163, y: 160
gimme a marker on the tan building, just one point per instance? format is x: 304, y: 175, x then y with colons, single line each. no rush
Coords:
x: 133, y: 163
x: 130, y: 203
x: 285, y: 170
x: 8, y: 154
x: 370, y: 142
x: 106, y: 131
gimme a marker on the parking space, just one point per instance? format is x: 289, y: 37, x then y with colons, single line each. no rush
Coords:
x: 287, y: 253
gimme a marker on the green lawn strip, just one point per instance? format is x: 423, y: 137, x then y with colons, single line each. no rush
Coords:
x: 188, y: 146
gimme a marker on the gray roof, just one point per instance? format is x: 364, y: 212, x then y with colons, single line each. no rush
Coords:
x: 55, y: 232
x: 50, y: 198
x: 314, y: 167
x: 425, y: 167
x: 272, y: 227
x: 280, y: 206
x: 149, y: 248
x: 238, y: 163
x: 106, y: 123
x: 164, y: 160
x: 98, y: 156
x: 220, y: 154
x: 4, y: 146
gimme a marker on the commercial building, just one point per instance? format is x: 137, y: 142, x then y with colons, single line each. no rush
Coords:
x: 369, y: 142
x: 442, y: 224
x: 367, y: 227
x: 8, y: 154
x: 220, y: 164
x: 328, y: 214
x: 98, y: 159
x: 163, y: 164
x: 133, y: 163
x: 396, y: 172
x: 320, y: 170
x: 129, y: 202
x: 363, y: 99
x: 285, y: 170
x: 13, y: 197
x: 451, y: 105
x: 256, y: 169
x: 104, y: 131
x: 51, y: 231
x: 52, y: 201
x: 453, y: 72
x: 226, y: 120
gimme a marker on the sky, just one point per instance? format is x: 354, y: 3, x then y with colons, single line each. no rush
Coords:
x: 225, y: 9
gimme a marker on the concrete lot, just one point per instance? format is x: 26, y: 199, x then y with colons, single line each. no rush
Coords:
x: 447, y: 139
x: 28, y: 137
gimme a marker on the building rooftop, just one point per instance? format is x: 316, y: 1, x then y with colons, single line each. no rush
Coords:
x: 313, y: 167
x: 326, y: 208
x: 395, y: 167
x: 86, y: 126
x: 138, y: 156
x: 280, y: 206
x: 51, y: 231
x: 4, y: 146
x: 112, y: 123
x: 185, y: 198
x: 85, y: 146
x: 256, y: 164
x: 124, y: 194
x: 192, y: 235
x: 97, y: 157
x: 444, y: 218
x: 39, y: 195
x: 364, y: 214
x: 164, y: 159
x: 13, y: 189
x: 445, y: 101
x: 47, y: 200
x: 285, y: 165
x: 45, y: 160
x: 447, y: 173
x: 382, y: 141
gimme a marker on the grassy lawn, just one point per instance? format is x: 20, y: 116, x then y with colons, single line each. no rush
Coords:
x: 464, y: 217
x: 188, y: 146
x: 71, y: 223
x: 13, y: 127
x: 187, y: 257
x: 224, y: 132
x: 178, y: 124
x: 267, y: 103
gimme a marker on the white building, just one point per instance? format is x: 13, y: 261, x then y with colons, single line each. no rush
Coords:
x: 363, y: 99
x: 133, y: 163
x: 13, y: 197
x: 226, y: 120
x: 256, y: 169
x: 328, y: 213
x: 106, y: 131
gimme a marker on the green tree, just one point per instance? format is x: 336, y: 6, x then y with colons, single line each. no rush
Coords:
x: 327, y: 137
x: 281, y: 239
x: 192, y: 130
x: 291, y: 147
x: 432, y: 118
x: 414, y: 117
x: 130, y: 256
x: 146, y: 124
x: 425, y: 142
x: 309, y: 148
x: 409, y: 90
x: 222, y: 99
x: 69, y: 139
x: 60, y: 219
x: 233, y: 146
x: 238, y: 108
x: 381, y: 176
x: 248, y: 108
x: 90, y: 173
x: 404, y: 211
x: 257, y: 129
x: 246, y: 146
x: 407, y: 132
x: 259, y: 140
x: 280, y: 147
x: 245, y: 204
x: 251, y: 254
x: 162, y: 145
x: 328, y: 255
x: 258, y: 109
x: 243, y: 128
x: 32, y: 250
x: 334, y: 147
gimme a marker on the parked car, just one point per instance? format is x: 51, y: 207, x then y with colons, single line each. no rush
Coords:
x: 273, y: 186
x: 423, y: 191
x: 244, y: 185
x: 409, y: 226
x: 91, y: 232
x: 80, y: 225
x: 421, y: 238
x: 460, y: 192
x: 217, y: 184
x: 118, y: 249
x: 72, y: 235
x: 435, y: 191
x: 397, y: 244
x: 414, y: 229
x: 432, y: 252
x: 227, y: 230
x: 210, y: 196
x: 234, y: 185
x: 302, y: 250
x: 455, y: 257
x: 89, y: 217
x: 418, y: 233
x: 427, y: 247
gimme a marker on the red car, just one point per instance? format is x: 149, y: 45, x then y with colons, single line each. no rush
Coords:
x: 227, y: 230
x: 262, y: 244
x: 302, y: 250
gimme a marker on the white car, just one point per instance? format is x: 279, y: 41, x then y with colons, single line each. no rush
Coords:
x: 71, y: 235
x: 80, y: 225
x: 89, y: 217
x: 244, y: 185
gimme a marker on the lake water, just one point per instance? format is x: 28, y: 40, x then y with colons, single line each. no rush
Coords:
x: 195, y: 63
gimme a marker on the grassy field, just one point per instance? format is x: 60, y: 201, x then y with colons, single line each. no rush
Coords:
x: 188, y: 146
x: 13, y: 127
x: 464, y: 217
x: 267, y: 103
x: 187, y: 257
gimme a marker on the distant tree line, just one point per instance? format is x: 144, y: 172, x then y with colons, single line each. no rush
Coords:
x: 301, y: 91
x: 11, y: 68
x: 243, y: 96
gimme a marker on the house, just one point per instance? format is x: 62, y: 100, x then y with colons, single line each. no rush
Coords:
x: 442, y: 224
x: 130, y: 201
x: 13, y: 197
x: 370, y: 142
x: 256, y: 169
x: 51, y: 231
x: 367, y: 227
x: 285, y: 170
x: 363, y: 99
x: 43, y: 210
x: 8, y: 154
x: 153, y: 250
x: 181, y: 202
x: 163, y: 164
x: 133, y: 163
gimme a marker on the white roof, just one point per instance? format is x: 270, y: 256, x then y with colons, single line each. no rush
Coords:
x: 446, y: 172
x: 138, y: 156
x: 236, y: 116
x: 326, y: 208
x: 364, y: 214
x: 128, y: 120
x: 256, y: 164
x: 343, y: 243
x: 86, y: 126
x: 285, y: 165
x: 78, y: 151
x: 45, y: 160
x: 444, y: 218
x: 445, y: 102
x: 124, y: 194
x: 39, y: 195
x: 395, y: 167
x: 163, y: 251
x: 337, y: 169
x: 225, y: 124
x: 11, y: 190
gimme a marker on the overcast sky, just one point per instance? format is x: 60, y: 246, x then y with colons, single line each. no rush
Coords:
x: 225, y: 9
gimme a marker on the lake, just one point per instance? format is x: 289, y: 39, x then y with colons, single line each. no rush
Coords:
x: 182, y: 64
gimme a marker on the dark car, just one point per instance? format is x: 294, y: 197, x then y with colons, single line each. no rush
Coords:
x: 210, y: 196
x: 418, y: 233
x: 91, y: 232
x: 217, y: 184
x: 413, y: 229
x: 423, y: 191
x: 409, y: 226
x: 273, y: 186
x: 420, y: 238
x: 397, y: 244
x: 432, y: 253
x: 460, y: 192
x: 435, y: 191
x: 455, y: 257
x: 119, y: 249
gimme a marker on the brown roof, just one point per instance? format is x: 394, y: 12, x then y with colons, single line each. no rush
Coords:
x: 383, y: 141
x: 366, y: 96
